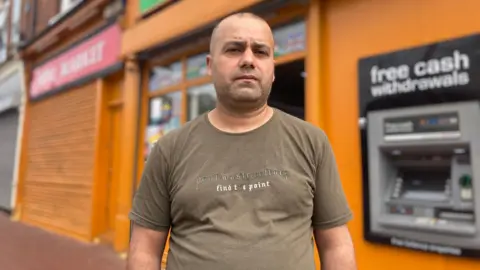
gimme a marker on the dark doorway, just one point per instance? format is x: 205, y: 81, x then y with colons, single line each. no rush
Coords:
x: 288, y: 90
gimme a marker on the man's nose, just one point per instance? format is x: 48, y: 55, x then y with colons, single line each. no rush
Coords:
x: 247, y: 58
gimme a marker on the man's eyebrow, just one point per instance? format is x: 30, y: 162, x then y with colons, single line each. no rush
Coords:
x: 235, y: 42
x: 261, y: 44
x: 243, y: 43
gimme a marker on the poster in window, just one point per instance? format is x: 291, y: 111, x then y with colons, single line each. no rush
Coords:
x: 163, y: 76
x: 201, y: 99
x: 164, y: 116
x: 290, y: 38
x: 197, y: 66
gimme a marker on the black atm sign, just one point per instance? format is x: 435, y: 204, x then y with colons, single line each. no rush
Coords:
x: 439, y: 71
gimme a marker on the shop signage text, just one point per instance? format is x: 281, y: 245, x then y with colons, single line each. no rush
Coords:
x: 440, y: 68
x: 93, y: 55
x: 444, y: 72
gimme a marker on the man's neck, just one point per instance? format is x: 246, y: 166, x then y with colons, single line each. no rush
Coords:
x: 231, y: 122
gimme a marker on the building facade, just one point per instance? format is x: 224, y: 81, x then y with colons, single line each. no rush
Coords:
x: 88, y: 129
x: 68, y: 173
x: 335, y: 35
x: 11, y: 96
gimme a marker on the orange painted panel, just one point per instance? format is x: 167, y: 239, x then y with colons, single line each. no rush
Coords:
x: 114, y: 147
x: 176, y: 20
x: 358, y: 28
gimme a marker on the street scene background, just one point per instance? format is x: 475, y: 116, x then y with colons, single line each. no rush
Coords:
x: 88, y: 86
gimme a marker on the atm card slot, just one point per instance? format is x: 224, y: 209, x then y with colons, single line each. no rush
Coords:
x: 457, y: 216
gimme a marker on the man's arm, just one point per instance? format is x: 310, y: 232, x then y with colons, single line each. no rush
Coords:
x: 146, y: 248
x: 335, y: 248
x: 331, y: 212
x: 150, y: 212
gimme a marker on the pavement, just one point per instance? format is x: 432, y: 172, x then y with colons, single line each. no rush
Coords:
x: 23, y: 247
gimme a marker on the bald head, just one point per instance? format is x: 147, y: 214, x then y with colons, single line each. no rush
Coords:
x: 233, y: 20
x: 241, y: 62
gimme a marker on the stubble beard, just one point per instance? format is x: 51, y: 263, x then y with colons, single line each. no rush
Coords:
x: 242, y: 101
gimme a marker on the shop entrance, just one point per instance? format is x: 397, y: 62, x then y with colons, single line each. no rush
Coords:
x: 112, y: 125
x: 114, y: 122
x: 288, y: 90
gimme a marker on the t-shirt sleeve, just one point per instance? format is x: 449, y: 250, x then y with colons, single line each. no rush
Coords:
x: 331, y: 208
x: 151, y: 203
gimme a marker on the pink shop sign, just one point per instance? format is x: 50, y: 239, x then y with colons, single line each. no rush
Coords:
x: 93, y: 55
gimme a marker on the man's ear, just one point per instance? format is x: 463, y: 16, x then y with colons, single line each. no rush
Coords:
x: 209, y: 64
x: 274, y: 65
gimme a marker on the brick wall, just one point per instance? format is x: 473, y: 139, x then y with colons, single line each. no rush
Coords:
x: 35, y: 16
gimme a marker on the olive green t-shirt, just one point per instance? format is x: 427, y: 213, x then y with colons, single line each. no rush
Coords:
x: 241, y: 201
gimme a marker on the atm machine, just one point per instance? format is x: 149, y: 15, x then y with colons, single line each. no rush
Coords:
x: 419, y: 128
x: 424, y: 176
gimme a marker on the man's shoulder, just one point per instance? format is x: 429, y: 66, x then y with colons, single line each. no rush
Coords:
x: 300, y: 126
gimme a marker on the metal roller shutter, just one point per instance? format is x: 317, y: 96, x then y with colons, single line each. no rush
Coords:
x: 60, y: 154
x: 8, y: 142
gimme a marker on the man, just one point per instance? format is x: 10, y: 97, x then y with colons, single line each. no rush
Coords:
x: 244, y: 185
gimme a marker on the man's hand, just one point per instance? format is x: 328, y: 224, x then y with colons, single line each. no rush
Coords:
x: 335, y: 248
x: 146, y: 249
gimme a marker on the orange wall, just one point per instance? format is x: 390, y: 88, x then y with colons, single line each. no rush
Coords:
x: 357, y: 28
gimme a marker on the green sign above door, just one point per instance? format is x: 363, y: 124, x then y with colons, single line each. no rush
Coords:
x: 146, y: 5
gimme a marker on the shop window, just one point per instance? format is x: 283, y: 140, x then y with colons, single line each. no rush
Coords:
x: 3, y: 45
x: 163, y: 76
x: 15, y: 22
x: 289, y: 38
x: 164, y: 116
x: 201, y: 99
x: 187, y: 78
x: 197, y: 66
x: 4, y: 7
x: 67, y: 5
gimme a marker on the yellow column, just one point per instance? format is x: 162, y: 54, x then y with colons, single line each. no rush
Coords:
x: 314, y: 93
x: 128, y: 158
x: 314, y: 102
x: 131, y: 13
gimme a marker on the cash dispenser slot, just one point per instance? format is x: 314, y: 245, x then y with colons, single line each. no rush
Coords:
x: 430, y: 189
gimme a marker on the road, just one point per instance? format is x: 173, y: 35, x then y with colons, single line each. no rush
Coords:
x: 23, y: 247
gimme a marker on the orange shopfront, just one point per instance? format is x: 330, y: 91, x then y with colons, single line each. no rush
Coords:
x: 70, y: 148
x: 355, y: 30
x: 336, y: 35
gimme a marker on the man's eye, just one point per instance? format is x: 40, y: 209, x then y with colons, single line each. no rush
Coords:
x: 262, y: 53
x: 233, y: 50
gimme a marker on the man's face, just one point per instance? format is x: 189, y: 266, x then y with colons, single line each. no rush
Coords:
x: 241, y: 62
